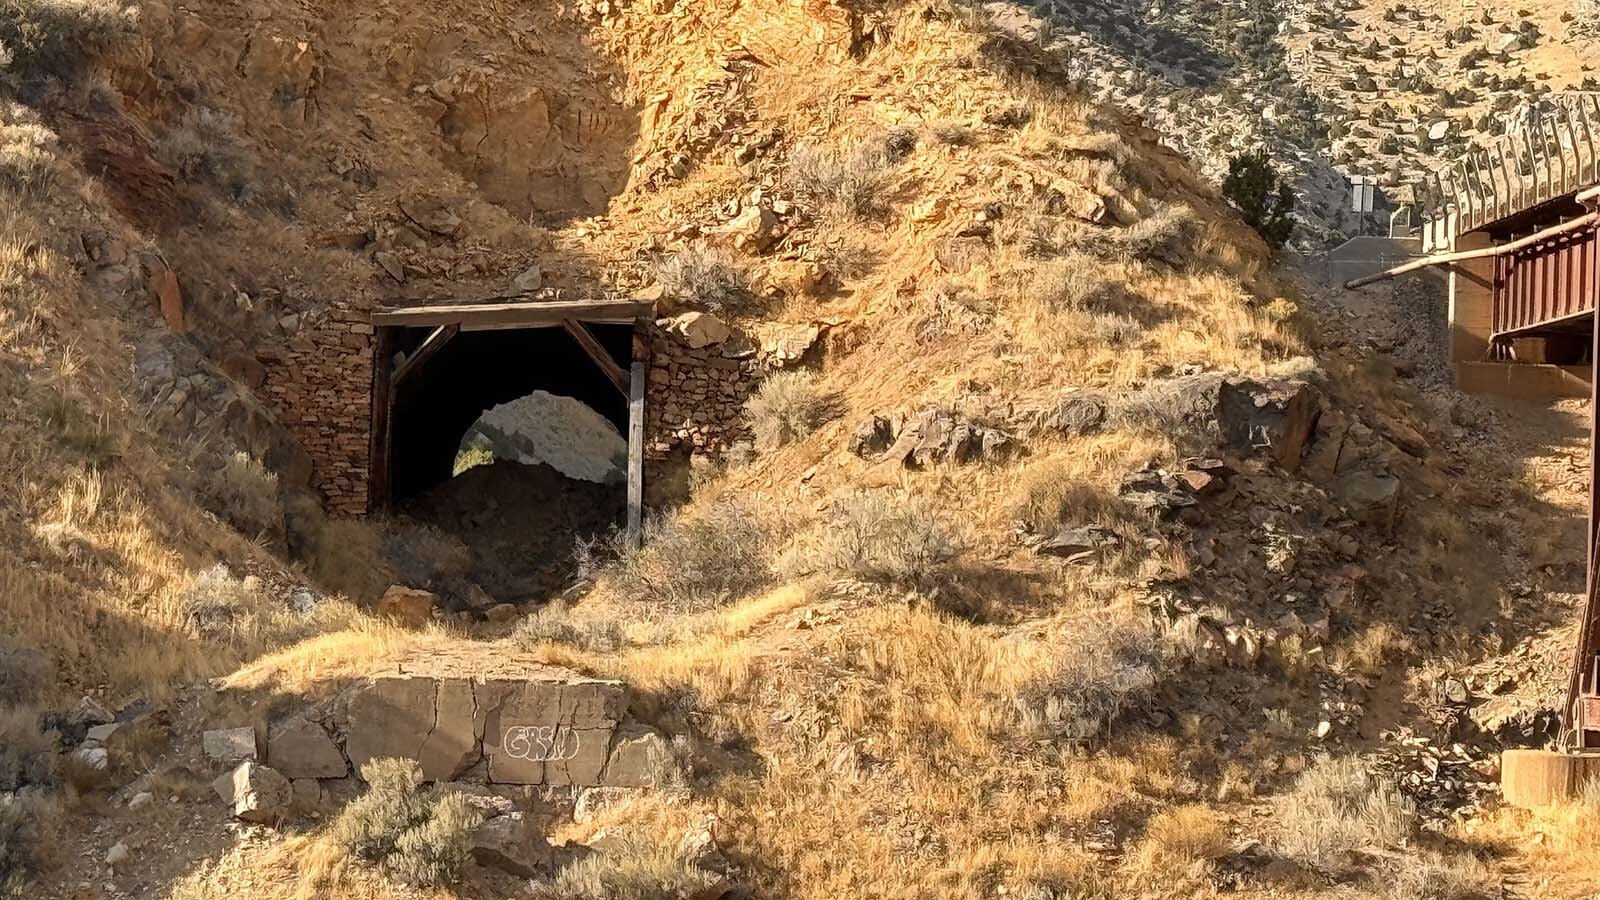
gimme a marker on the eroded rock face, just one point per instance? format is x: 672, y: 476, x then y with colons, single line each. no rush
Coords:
x: 535, y: 732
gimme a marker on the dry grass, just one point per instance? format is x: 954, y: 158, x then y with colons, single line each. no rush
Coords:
x: 697, y: 558
x: 26, y: 827
x: 632, y: 867
x: 1433, y: 876
x: 27, y: 754
x: 706, y: 277
x: 202, y: 147
x: 1180, y: 837
x: 849, y: 182
x: 556, y: 624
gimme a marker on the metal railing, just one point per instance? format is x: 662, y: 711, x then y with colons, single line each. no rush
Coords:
x: 1553, y: 151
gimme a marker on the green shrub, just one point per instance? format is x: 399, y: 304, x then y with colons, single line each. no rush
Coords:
x: 1266, y: 204
x: 787, y: 407
x: 415, y: 836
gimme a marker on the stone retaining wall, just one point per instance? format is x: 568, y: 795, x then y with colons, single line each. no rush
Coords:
x: 553, y: 730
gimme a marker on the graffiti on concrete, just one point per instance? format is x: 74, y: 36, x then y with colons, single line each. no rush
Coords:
x: 540, y: 743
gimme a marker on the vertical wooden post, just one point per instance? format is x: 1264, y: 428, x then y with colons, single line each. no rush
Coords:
x: 636, y: 386
x: 380, y: 487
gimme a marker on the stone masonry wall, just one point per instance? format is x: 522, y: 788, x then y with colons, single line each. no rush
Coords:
x: 695, y: 397
x: 319, y: 383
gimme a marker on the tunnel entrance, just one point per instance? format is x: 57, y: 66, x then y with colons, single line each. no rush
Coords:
x: 516, y: 428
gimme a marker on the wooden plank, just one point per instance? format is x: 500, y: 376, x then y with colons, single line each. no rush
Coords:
x: 429, y: 349
x: 598, y: 353
x: 475, y: 316
x: 636, y: 386
x: 380, y: 483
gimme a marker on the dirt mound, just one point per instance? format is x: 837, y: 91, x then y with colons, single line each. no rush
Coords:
x: 521, y: 523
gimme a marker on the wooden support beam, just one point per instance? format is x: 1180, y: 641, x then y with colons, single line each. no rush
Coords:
x: 636, y: 387
x: 380, y: 486
x: 598, y: 353
x: 428, y: 350
x: 483, y: 316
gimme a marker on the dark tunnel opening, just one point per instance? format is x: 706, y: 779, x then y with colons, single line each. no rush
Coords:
x: 479, y: 370
x: 520, y: 515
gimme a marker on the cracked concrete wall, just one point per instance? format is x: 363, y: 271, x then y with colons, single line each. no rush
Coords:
x: 534, y: 732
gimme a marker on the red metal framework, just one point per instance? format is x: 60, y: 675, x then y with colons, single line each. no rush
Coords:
x: 1549, y: 285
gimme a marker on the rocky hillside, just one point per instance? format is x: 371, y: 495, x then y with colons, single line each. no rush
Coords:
x: 1067, y: 549
x: 1333, y: 88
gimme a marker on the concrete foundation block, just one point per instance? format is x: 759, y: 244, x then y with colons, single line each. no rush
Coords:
x: 1532, y: 779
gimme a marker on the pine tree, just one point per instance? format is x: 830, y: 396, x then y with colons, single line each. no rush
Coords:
x: 1266, y: 204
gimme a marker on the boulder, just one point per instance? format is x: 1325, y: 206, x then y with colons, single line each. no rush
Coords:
x: 255, y: 793
x: 306, y: 794
x: 944, y: 435
x: 1370, y: 497
x: 872, y: 437
x: 752, y: 231
x: 783, y: 343
x: 407, y: 606
x: 300, y: 748
x: 1077, y: 415
x: 531, y: 279
x: 511, y: 844
x: 430, y: 720
x: 698, y: 329
x: 1078, y: 544
x: 103, y: 733
x: 229, y: 745
x: 640, y: 757
x: 1274, y: 417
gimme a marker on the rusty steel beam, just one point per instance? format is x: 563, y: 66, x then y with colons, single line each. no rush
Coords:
x: 1460, y: 256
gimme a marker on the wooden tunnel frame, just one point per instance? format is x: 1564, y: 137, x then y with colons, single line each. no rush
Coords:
x: 448, y: 321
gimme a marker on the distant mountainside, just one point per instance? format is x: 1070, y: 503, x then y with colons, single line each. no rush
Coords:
x: 1334, y: 88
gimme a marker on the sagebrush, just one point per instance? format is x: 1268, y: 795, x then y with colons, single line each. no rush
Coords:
x: 60, y: 38
x: 415, y: 836
x: 697, y: 558
x: 245, y: 492
x: 879, y: 537
x: 1336, y: 808
x: 787, y: 407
